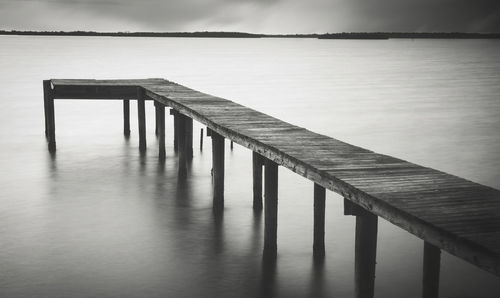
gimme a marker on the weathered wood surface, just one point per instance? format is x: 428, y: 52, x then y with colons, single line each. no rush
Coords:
x: 452, y: 213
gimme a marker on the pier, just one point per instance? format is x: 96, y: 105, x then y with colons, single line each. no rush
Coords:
x: 447, y: 212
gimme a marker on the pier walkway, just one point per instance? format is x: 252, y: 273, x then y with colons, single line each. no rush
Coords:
x: 446, y: 211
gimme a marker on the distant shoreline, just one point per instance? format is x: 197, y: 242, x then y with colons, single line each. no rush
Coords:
x: 209, y: 34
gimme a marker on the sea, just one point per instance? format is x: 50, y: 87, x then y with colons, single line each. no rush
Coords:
x: 100, y: 220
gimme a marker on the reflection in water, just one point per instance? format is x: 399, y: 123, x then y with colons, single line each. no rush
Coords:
x: 218, y: 231
x: 52, y: 162
x: 317, y: 277
x: 268, y: 277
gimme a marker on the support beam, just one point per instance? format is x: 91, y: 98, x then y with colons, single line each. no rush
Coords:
x: 257, y: 180
x: 141, y: 113
x: 182, y: 143
x: 365, y: 254
x: 126, y: 118
x: 352, y: 209
x: 319, y: 221
x: 50, y: 125
x: 432, y: 260
x: 218, y: 171
x: 271, y: 208
x: 160, y: 118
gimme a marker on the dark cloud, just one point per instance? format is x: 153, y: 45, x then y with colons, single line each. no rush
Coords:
x: 428, y: 15
x: 271, y: 16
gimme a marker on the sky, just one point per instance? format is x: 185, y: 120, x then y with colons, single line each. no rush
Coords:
x: 257, y: 16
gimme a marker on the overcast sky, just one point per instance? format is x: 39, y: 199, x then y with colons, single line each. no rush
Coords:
x: 258, y: 16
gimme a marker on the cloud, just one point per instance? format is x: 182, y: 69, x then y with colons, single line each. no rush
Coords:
x: 426, y: 15
x: 274, y: 16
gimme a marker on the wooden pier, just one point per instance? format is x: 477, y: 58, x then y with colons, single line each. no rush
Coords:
x: 447, y: 212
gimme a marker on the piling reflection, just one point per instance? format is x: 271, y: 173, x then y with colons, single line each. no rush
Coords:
x: 316, y: 285
x: 218, y: 232
x: 52, y: 164
x: 268, y: 276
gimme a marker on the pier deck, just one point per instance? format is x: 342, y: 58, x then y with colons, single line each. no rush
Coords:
x: 448, y: 212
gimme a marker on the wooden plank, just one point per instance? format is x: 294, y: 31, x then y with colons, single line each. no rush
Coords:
x: 94, y: 92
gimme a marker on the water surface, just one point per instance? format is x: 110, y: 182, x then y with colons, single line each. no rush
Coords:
x: 99, y: 220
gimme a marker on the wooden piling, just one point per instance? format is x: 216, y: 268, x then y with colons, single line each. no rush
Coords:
x: 189, y: 138
x: 319, y: 221
x: 271, y: 208
x: 182, y: 143
x: 201, y: 139
x: 141, y: 113
x: 257, y: 181
x: 160, y: 114
x: 126, y: 118
x: 176, y: 129
x: 365, y: 254
x: 50, y: 126
x: 218, y: 171
x: 46, y: 94
x: 431, y: 268
x: 157, y: 116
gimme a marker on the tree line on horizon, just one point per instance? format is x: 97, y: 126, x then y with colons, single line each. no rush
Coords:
x: 224, y: 34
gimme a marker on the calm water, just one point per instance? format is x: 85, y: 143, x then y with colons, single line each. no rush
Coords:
x: 100, y: 221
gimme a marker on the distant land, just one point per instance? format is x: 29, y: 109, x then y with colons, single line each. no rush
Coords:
x: 212, y: 34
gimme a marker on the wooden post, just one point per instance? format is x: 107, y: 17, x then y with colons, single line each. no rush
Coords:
x: 50, y: 125
x: 182, y: 143
x: 257, y: 181
x: 189, y: 138
x: 46, y: 94
x: 160, y: 114
x: 231, y: 145
x: 141, y: 113
x: 365, y: 254
x: 157, y: 116
x: 126, y: 118
x: 432, y: 260
x: 218, y: 171
x: 201, y: 139
x: 176, y: 129
x: 319, y: 221
x: 271, y: 208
